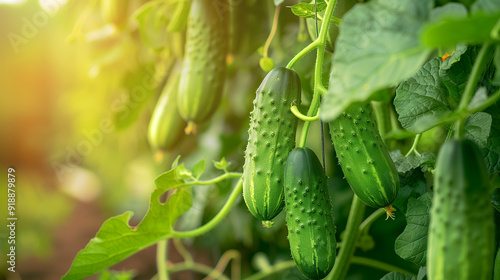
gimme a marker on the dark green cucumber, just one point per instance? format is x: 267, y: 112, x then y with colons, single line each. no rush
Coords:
x: 204, y: 65
x: 311, y: 229
x: 364, y: 157
x: 166, y: 125
x: 271, y: 138
x: 461, y: 233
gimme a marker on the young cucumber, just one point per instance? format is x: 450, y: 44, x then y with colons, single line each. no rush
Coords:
x: 364, y: 157
x: 166, y: 125
x: 461, y: 233
x: 311, y: 229
x: 204, y: 65
x: 271, y: 138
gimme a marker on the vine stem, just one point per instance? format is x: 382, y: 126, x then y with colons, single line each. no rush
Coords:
x: 413, y: 148
x: 161, y: 259
x: 380, y: 265
x: 365, y: 225
x: 351, y: 235
x: 302, y: 53
x: 471, y: 85
x: 222, y: 177
x: 215, y: 220
x: 273, y: 31
x: 318, y: 69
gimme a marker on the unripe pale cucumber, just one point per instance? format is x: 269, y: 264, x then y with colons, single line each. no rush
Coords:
x: 166, y: 125
x: 363, y: 156
x: 311, y: 229
x: 461, y: 233
x: 204, y: 65
x: 271, y: 138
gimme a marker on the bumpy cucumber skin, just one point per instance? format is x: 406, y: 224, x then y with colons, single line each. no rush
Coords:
x: 311, y: 229
x: 364, y: 157
x: 166, y: 125
x: 271, y: 138
x: 461, y: 233
x: 204, y: 65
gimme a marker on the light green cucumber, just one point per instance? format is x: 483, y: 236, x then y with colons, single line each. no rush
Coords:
x: 461, y: 233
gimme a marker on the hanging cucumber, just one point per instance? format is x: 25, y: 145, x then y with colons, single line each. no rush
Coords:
x: 271, y: 138
x: 311, y: 229
x: 364, y: 157
x: 461, y: 233
x: 166, y: 125
x: 204, y: 65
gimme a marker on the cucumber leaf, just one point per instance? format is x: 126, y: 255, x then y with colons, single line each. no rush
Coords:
x: 307, y: 10
x: 378, y: 46
x: 117, y: 240
x: 475, y: 28
x: 477, y: 128
x: 422, y: 98
x: 456, y: 69
x: 413, y: 184
x: 397, y: 276
x: 413, y: 161
x: 411, y: 245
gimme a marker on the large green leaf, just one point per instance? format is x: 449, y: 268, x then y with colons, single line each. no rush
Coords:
x: 491, y: 151
x: 377, y: 47
x: 116, y: 240
x: 456, y: 69
x: 411, y: 245
x: 475, y: 28
x: 413, y: 184
x: 422, y: 98
x: 477, y: 128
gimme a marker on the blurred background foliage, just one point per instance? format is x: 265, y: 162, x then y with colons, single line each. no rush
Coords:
x: 79, y: 82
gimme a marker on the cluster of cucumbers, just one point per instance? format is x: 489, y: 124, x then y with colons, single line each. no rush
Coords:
x: 277, y: 174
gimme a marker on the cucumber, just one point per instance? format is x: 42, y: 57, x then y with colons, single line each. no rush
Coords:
x: 271, y: 138
x: 311, y: 229
x: 204, y: 65
x: 166, y: 125
x: 461, y: 233
x: 364, y: 158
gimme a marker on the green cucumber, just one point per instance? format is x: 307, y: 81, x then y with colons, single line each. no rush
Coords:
x: 461, y: 233
x: 364, y: 158
x: 166, y: 125
x: 271, y: 138
x: 311, y: 229
x: 204, y: 65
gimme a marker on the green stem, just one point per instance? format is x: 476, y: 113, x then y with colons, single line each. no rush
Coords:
x: 217, y: 219
x: 383, y: 117
x: 161, y: 259
x: 216, y: 179
x: 490, y: 101
x: 274, y: 269
x: 470, y: 87
x: 198, y: 267
x: 273, y: 31
x: 318, y: 70
x: 365, y: 225
x: 183, y: 251
x: 351, y: 235
x: 380, y: 265
x: 300, y: 116
x: 302, y: 53
x: 413, y: 148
